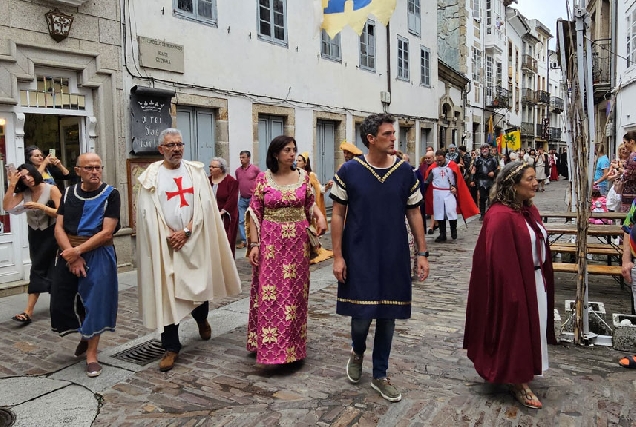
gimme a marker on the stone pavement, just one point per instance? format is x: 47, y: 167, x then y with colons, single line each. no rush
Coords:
x: 217, y: 382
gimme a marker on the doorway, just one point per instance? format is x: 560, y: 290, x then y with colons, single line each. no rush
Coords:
x: 60, y: 136
x: 324, y: 167
x: 197, y: 128
x: 269, y: 127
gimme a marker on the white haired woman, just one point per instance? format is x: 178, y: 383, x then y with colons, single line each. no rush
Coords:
x: 225, y: 188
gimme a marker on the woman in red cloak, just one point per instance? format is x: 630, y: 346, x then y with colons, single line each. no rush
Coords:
x: 225, y: 188
x: 510, y: 310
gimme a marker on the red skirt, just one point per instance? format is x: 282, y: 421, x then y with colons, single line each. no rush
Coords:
x: 554, y: 174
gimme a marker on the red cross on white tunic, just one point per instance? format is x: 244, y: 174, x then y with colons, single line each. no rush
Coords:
x: 442, y: 173
x: 181, y: 193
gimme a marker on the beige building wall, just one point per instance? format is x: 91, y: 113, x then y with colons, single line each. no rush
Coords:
x: 90, y: 57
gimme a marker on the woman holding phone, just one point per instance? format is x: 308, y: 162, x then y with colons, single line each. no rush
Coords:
x: 50, y: 167
x: 40, y: 202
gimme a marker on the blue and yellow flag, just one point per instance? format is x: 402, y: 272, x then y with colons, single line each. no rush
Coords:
x: 339, y: 13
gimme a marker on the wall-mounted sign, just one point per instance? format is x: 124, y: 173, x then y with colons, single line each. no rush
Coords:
x: 161, y: 55
x: 149, y: 115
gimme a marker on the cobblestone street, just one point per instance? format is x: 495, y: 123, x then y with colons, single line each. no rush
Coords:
x: 217, y: 383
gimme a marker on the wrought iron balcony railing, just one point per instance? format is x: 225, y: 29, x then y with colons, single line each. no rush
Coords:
x: 528, y: 96
x: 542, y: 97
x: 527, y: 129
x: 555, y: 134
x: 556, y: 105
x: 528, y: 63
x: 601, y: 61
x: 497, y: 97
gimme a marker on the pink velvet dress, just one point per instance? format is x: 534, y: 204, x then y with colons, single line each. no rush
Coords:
x: 277, y: 327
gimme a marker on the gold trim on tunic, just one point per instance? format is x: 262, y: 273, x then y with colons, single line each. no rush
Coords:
x: 375, y: 174
x: 286, y: 214
x: 382, y: 301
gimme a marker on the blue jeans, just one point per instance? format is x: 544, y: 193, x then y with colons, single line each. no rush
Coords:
x: 381, y: 342
x: 243, y: 204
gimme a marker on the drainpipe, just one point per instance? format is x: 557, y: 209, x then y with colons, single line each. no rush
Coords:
x: 388, y: 60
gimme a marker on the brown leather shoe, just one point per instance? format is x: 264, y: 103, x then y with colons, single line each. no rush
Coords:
x: 167, y: 361
x: 205, y: 330
x: 241, y: 245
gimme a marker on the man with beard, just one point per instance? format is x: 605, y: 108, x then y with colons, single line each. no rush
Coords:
x: 484, y: 170
x: 184, y: 257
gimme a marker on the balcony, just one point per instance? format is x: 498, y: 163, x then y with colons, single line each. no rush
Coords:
x: 527, y: 129
x: 601, y: 68
x: 528, y: 64
x: 528, y: 96
x: 497, y: 97
x: 555, y: 134
x: 539, y: 133
x: 556, y: 105
x: 542, y: 97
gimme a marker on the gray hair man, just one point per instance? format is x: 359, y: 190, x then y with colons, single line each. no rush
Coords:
x: 184, y: 259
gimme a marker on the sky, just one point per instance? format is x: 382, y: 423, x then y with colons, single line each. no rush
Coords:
x: 546, y: 11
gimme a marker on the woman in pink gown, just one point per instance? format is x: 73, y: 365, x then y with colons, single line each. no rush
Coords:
x: 280, y: 212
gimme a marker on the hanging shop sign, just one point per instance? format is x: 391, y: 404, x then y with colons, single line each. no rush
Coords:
x: 149, y: 115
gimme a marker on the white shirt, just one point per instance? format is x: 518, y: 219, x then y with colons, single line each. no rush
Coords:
x: 176, y: 196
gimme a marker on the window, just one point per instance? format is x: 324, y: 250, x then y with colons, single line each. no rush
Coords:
x: 271, y: 21
x: 488, y: 16
x: 196, y: 10
x: 367, y: 47
x: 425, y: 66
x: 489, y: 63
x: 631, y: 38
x: 476, y: 65
x: 403, y: 58
x: 414, y: 17
x: 476, y: 9
x: 499, y: 74
x: 330, y: 48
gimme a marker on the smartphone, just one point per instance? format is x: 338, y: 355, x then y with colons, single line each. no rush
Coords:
x: 51, y: 152
x: 10, y: 168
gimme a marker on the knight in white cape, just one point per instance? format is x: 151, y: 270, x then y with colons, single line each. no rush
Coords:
x: 176, y: 279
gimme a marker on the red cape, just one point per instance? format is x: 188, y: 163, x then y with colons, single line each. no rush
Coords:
x: 465, y: 204
x: 502, y: 333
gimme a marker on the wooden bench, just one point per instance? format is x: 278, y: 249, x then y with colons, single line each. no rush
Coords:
x: 592, y: 249
x: 595, y: 269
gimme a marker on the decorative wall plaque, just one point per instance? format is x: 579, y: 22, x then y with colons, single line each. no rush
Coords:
x: 59, y: 24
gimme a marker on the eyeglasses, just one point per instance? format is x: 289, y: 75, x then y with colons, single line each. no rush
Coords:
x: 215, y: 167
x: 173, y: 145
x: 92, y: 168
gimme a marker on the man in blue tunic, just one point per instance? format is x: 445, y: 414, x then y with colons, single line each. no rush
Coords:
x: 84, y: 288
x: 371, y: 253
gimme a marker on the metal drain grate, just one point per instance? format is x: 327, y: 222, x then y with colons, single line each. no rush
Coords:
x: 142, y: 354
x: 7, y: 418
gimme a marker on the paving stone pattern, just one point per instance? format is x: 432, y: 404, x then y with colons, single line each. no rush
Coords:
x: 216, y: 383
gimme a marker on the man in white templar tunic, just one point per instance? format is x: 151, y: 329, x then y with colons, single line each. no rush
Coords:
x: 184, y: 258
x: 442, y: 180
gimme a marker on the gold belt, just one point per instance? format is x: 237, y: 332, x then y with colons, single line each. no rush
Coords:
x: 284, y: 214
x: 78, y: 240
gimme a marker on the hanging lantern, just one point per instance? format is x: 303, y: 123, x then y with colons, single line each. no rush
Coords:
x: 59, y: 24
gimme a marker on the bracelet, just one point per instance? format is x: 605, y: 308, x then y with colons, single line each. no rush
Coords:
x: 424, y: 254
x: 253, y: 244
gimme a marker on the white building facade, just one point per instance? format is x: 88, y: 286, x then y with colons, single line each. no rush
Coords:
x: 241, y: 73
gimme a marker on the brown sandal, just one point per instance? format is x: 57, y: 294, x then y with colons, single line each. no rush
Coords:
x: 525, y: 396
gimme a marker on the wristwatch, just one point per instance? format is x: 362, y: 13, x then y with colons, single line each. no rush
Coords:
x: 424, y: 254
x: 187, y: 232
